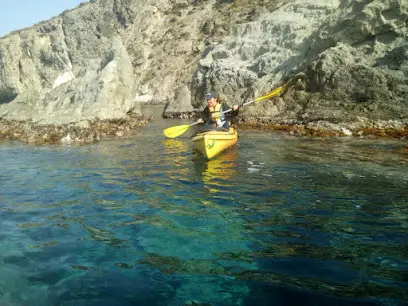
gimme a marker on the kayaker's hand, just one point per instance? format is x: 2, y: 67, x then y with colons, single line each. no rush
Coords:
x: 200, y: 120
x: 235, y: 107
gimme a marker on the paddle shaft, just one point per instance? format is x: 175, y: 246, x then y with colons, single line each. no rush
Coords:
x: 269, y: 95
x: 226, y: 111
x: 175, y: 131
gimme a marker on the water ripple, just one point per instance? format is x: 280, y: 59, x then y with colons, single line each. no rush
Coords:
x: 278, y: 219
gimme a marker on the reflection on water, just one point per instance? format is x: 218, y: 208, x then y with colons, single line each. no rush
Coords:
x: 146, y: 221
x: 174, y: 147
x: 217, y: 172
x: 222, y: 168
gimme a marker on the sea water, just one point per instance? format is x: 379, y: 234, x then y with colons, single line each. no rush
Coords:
x: 144, y: 220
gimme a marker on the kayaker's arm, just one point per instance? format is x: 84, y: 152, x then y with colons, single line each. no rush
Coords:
x: 173, y: 132
x: 234, y: 110
x: 205, y: 115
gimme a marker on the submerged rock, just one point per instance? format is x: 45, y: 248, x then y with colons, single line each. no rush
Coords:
x: 197, y: 303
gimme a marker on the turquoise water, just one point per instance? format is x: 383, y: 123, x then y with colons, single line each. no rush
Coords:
x: 279, y: 220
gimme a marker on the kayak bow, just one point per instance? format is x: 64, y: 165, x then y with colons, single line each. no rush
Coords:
x: 213, y: 142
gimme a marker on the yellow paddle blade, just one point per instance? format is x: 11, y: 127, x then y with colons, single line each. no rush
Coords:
x: 271, y: 94
x: 174, y: 131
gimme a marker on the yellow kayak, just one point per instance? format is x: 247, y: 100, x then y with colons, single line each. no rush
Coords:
x: 211, y: 143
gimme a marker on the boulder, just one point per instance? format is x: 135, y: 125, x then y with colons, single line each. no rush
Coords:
x: 105, y: 90
x: 181, y: 103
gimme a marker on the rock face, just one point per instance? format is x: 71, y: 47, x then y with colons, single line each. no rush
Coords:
x: 345, y: 62
x: 41, y: 80
x: 104, y: 91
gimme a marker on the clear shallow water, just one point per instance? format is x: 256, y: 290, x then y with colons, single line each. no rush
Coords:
x: 144, y: 221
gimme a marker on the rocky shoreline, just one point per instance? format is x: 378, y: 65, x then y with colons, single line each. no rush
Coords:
x: 392, y: 129
x: 78, y: 133
x: 321, y: 130
x: 96, y: 130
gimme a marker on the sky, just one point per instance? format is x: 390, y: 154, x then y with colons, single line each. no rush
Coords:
x: 17, y: 14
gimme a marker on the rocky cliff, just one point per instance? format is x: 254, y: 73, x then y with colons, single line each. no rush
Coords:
x: 345, y: 63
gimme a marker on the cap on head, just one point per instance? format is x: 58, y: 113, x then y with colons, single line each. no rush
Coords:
x: 210, y: 95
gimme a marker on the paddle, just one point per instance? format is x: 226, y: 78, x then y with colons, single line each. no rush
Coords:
x: 174, y: 131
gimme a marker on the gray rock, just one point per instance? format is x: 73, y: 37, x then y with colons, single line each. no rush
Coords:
x: 352, y: 53
x: 104, y: 91
x: 181, y: 102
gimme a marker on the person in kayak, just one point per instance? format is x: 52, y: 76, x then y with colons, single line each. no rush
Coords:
x: 212, y: 114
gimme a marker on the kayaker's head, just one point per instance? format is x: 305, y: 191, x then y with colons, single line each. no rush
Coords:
x: 212, y: 98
